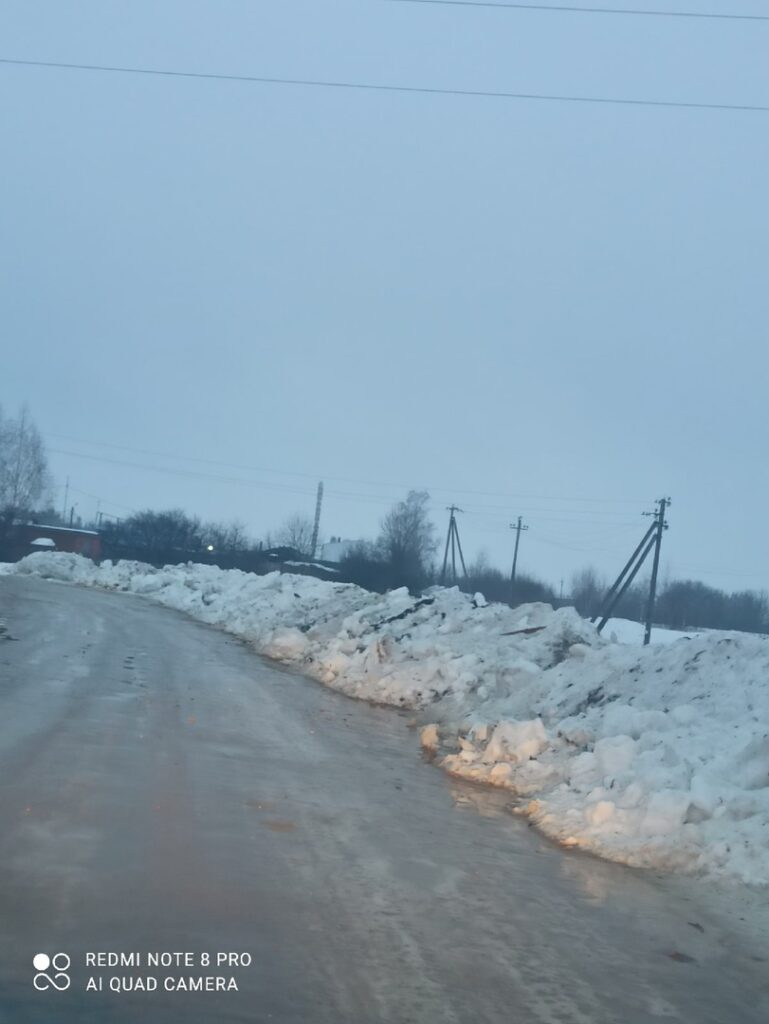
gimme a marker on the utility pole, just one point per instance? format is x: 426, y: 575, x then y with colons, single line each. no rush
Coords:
x: 66, y: 499
x: 659, y: 526
x: 651, y: 540
x: 517, y: 527
x: 452, y: 540
x: 316, y: 526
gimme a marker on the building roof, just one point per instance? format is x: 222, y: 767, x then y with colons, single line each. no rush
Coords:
x: 63, y: 529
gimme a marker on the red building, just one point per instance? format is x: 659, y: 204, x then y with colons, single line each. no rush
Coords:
x: 30, y: 537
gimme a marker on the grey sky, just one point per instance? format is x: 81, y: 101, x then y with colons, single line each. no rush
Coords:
x: 548, y: 303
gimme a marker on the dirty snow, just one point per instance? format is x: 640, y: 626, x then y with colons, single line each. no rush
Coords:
x: 656, y: 757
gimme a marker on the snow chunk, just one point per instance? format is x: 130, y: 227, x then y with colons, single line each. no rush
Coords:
x: 428, y: 737
x: 516, y: 741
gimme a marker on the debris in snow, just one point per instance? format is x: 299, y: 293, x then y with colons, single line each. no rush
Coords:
x: 682, y: 958
x: 312, y: 565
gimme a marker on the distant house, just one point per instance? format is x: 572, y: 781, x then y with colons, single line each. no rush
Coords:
x: 336, y: 549
x: 30, y: 537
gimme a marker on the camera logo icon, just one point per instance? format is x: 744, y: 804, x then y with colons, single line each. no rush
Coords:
x: 51, y: 972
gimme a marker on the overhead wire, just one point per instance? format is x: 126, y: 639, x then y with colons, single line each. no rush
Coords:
x: 220, y: 478
x: 98, y: 497
x: 378, y: 87
x: 512, y: 497
x: 564, y: 8
x: 171, y: 471
x: 381, y: 500
x: 719, y: 572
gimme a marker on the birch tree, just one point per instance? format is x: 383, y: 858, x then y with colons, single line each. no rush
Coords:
x: 24, y: 476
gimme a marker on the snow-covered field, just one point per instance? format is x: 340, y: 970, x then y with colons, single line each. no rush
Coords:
x: 625, y: 631
x: 655, y: 757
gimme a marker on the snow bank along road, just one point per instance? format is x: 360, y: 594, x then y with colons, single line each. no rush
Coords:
x: 655, y: 757
x: 164, y: 789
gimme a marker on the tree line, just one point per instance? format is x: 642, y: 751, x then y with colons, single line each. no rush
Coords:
x: 680, y: 604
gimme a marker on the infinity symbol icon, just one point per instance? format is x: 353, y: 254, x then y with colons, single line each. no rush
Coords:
x: 60, y: 980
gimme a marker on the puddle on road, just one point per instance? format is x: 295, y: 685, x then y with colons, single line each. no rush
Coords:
x: 273, y: 824
x: 279, y: 826
x: 486, y: 803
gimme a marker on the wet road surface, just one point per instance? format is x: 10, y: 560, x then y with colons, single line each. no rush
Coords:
x: 164, y: 789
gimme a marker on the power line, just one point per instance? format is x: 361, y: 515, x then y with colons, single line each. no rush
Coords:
x: 563, y: 8
x: 492, y: 510
x: 717, y: 572
x: 569, y: 547
x: 383, y: 500
x: 359, y: 482
x: 170, y: 471
x: 98, y: 497
x: 195, y: 474
x: 616, y: 530
x: 373, y: 87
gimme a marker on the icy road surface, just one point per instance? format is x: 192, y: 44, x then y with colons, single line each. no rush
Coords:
x: 164, y: 789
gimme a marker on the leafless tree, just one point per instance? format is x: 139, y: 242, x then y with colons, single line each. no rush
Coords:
x: 296, y: 533
x: 24, y: 476
x: 167, y: 532
x: 407, y: 540
x: 587, y: 591
x: 226, y: 536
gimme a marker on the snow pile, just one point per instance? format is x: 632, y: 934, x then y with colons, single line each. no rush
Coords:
x: 656, y: 757
x: 392, y: 648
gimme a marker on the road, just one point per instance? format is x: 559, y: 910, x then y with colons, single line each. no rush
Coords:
x: 162, y: 788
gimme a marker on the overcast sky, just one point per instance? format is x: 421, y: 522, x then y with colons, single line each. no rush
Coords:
x: 557, y: 310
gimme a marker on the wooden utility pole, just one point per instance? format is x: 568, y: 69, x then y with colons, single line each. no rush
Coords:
x: 316, y: 526
x: 660, y: 525
x: 452, y: 540
x: 517, y: 527
x: 651, y: 540
x: 624, y: 580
